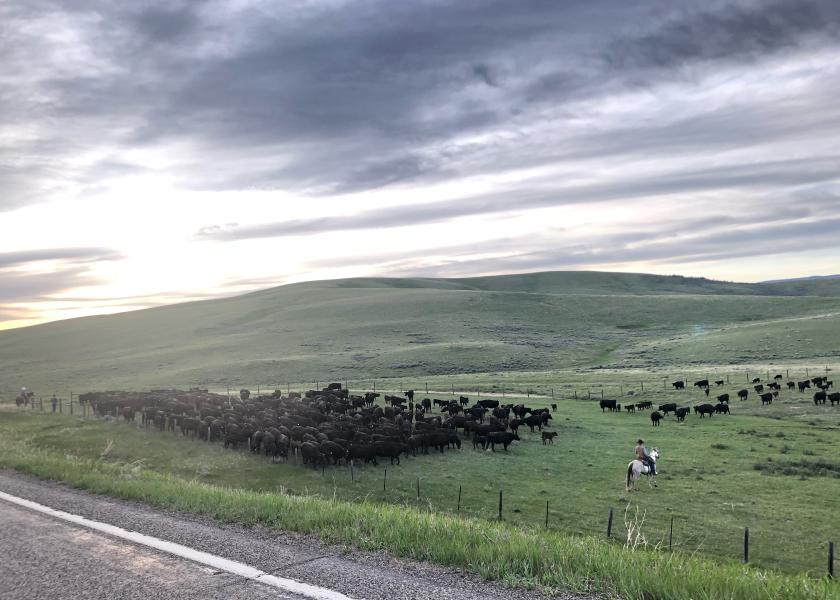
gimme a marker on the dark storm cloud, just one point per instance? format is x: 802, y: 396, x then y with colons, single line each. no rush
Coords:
x: 733, y: 32
x: 349, y: 98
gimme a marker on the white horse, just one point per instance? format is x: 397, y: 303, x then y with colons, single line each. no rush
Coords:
x: 637, y: 467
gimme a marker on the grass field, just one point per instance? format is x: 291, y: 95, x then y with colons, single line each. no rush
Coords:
x: 772, y: 469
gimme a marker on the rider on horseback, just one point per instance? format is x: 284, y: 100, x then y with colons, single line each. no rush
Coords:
x: 642, y: 455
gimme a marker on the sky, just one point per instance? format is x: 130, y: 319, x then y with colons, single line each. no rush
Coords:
x: 157, y: 152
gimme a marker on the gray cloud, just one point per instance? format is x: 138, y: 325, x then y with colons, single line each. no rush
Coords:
x: 752, y: 176
x: 71, y: 255
x: 345, y: 99
x: 24, y: 287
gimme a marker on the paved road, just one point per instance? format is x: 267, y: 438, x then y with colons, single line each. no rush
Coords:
x: 44, y: 557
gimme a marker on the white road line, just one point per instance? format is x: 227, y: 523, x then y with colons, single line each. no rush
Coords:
x: 205, y: 558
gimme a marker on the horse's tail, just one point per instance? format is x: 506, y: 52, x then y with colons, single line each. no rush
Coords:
x: 629, y: 474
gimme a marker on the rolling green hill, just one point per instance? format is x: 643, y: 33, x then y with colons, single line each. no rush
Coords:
x: 380, y: 327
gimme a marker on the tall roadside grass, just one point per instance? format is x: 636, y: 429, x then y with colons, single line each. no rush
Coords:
x: 496, y: 551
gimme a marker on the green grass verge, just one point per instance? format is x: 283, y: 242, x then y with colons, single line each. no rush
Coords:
x: 494, y: 550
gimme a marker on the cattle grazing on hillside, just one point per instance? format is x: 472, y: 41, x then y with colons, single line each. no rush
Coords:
x: 704, y: 409
x: 722, y: 408
x: 759, y: 388
x: 723, y: 398
x: 644, y: 405
x: 505, y: 438
x: 820, y: 398
x: 719, y: 382
x: 682, y: 412
x: 834, y: 398
x: 679, y: 385
x: 666, y: 408
x: 743, y: 394
x: 631, y: 408
x: 703, y: 383
x: 766, y: 398
x: 655, y: 417
x: 757, y: 380
x: 803, y: 385
x: 791, y: 385
x: 548, y: 437
x: 610, y: 404
x: 778, y: 377
x: 774, y: 386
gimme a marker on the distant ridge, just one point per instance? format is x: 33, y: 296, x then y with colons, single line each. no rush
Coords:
x: 810, y: 278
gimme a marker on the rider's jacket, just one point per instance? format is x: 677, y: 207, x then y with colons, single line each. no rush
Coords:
x: 640, y: 452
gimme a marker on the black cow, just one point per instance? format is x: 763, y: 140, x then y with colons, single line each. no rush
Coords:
x: 426, y: 403
x: 704, y: 409
x: 835, y: 397
x: 488, y: 403
x: 463, y: 400
x: 803, y: 385
x: 666, y: 408
x: 778, y: 377
x: 774, y: 386
x: 719, y: 382
x: 791, y: 385
x: 505, y: 438
x: 767, y: 398
x: 723, y: 398
x: 820, y: 398
x: 682, y: 412
x: 743, y: 394
x: 679, y: 385
x: 759, y: 388
x: 703, y: 383
x: 722, y: 408
x: 607, y: 404
x: 655, y: 417
x: 817, y: 380
x: 757, y: 380
x: 535, y: 421
x: 548, y: 436
x: 630, y: 408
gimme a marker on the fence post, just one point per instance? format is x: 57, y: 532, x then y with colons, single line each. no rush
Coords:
x: 417, y: 481
x: 352, y: 472
x: 385, y: 480
x: 546, y: 514
x: 500, y: 505
x: 831, y: 560
x: 71, y: 404
x: 458, y: 510
x: 609, y: 523
x: 746, y: 544
x: 671, y: 534
x: 602, y: 393
x: 643, y: 385
x: 575, y: 394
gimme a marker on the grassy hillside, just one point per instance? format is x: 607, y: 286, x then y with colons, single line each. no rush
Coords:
x: 376, y: 327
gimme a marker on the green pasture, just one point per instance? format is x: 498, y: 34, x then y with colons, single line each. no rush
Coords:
x: 772, y: 469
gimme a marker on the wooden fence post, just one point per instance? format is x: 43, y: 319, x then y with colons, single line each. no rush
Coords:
x: 458, y: 509
x: 671, y: 534
x: 546, y: 514
x: 500, y: 505
x: 417, y: 481
x: 746, y: 544
x: 831, y: 560
x: 609, y: 523
x: 385, y: 480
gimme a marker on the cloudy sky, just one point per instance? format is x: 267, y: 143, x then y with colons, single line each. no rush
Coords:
x: 154, y: 152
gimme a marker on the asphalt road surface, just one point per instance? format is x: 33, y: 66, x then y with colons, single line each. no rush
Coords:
x: 43, y: 556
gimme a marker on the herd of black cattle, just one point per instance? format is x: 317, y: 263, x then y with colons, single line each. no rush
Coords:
x: 327, y: 426
x: 766, y: 393
x: 330, y: 426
